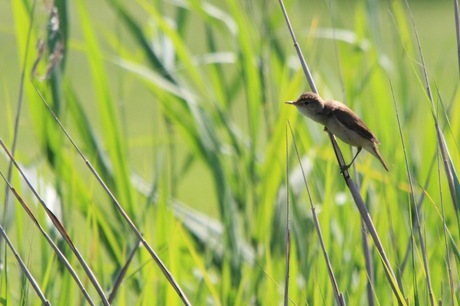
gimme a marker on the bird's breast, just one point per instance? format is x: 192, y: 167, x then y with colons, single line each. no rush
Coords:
x: 318, y: 117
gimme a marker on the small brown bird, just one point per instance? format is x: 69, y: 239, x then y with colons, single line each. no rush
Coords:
x: 340, y: 121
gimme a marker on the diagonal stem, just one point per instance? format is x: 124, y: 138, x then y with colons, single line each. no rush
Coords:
x: 350, y: 183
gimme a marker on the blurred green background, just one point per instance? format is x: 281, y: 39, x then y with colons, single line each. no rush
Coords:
x: 140, y: 117
x: 179, y: 105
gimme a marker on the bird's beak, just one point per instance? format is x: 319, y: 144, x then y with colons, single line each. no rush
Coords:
x: 290, y: 102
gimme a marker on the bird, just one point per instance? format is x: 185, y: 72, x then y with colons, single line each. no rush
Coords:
x: 341, y: 121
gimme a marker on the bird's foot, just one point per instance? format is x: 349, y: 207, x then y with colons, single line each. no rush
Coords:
x: 344, y: 168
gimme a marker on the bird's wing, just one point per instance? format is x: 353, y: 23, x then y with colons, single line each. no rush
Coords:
x: 350, y: 120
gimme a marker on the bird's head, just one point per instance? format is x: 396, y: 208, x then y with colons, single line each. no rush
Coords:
x: 309, y: 104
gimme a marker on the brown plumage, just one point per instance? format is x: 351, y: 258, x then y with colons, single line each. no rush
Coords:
x: 340, y: 121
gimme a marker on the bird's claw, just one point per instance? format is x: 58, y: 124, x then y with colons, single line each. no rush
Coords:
x: 344, y: 168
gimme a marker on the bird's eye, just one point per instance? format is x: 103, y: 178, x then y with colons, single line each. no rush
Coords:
x: 305, y: 102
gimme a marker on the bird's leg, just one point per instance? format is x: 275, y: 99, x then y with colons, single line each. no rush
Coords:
x: 348, y: 166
